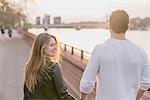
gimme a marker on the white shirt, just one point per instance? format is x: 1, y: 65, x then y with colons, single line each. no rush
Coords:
x: 120, y: 66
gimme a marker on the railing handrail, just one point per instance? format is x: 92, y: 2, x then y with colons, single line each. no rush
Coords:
x: 77, y: 49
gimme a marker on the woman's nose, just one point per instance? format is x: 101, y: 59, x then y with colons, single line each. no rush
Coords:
x: 55, y: 47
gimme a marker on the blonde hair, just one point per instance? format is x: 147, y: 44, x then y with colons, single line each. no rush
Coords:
x: 36, y: 65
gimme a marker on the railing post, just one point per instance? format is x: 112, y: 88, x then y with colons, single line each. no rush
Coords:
x: 72, y: 50
x: 65, y: 48
x: 81, y: 54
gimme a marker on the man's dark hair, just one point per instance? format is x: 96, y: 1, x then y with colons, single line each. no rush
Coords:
x: 119, y: 21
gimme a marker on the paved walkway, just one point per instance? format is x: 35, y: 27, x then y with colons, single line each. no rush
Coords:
x: 13, y: 56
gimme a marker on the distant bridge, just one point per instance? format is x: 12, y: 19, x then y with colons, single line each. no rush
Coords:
x: 75, y: 25
x: 55, y: 26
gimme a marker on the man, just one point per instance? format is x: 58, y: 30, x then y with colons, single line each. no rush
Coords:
x: 119, y: 64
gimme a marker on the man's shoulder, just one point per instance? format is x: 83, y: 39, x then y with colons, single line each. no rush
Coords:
x: 100, y: 46
x: 139, y: 48
x: 142, y: 51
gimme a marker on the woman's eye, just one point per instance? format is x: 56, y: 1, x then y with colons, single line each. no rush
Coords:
x: 52, y: 44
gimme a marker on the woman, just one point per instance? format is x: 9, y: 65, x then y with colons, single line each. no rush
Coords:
x: 43, y: 79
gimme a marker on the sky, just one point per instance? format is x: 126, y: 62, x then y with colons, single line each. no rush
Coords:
x: 85, y: 10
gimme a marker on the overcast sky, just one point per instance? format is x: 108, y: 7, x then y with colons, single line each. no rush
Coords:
x: 84, y: 10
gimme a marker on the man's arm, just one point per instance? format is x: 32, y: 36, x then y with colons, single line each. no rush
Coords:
x: 88, y: 79
x: 145, y: 76
x: 140, y: 94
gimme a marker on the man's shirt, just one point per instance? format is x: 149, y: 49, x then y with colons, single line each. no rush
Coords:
x: 120, y: 66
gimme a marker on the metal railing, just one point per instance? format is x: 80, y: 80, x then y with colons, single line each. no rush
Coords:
x: 76, y: 51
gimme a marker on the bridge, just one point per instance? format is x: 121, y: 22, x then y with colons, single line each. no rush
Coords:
x: 55, y: 26
x: 74, y: 25
x: 14, y: 53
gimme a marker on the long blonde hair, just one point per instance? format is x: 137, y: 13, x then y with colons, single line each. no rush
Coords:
x: 36, y: 65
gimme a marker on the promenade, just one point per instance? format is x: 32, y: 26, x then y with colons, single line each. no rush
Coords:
x: 14, y: 53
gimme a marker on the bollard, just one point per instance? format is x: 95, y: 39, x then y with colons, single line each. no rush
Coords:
x: 72, y: 50
x: 81, y: 54
x: 65, y: 48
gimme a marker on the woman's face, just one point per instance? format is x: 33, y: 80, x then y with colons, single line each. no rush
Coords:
x: 51, y: 48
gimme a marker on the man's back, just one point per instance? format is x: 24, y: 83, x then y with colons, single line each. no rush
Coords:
x: 121, y: 65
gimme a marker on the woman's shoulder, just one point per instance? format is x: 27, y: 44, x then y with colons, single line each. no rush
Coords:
x: 56, y: 66
x: 52, y: 66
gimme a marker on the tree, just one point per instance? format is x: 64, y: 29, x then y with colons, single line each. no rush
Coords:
x: 146, y: 21
x: 10, y: 14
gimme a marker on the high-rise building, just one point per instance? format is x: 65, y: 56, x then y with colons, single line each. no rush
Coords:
x: 57, y: 20
x: 46, y: 20
x: 48, y: 17
x: 38, y: 20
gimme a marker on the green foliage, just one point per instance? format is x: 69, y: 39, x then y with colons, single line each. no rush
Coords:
x: 10, y: 14
x: 26, y: 26
x: 139, y: 24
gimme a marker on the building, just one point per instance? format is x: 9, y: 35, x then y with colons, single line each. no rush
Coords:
x: 38, y: 20
x: 57, y: 20
x: 46, y: 20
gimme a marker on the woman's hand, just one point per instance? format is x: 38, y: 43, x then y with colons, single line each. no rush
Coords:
x: 83, y: 96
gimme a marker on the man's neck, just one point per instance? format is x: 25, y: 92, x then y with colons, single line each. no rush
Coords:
x: 120, y: 36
